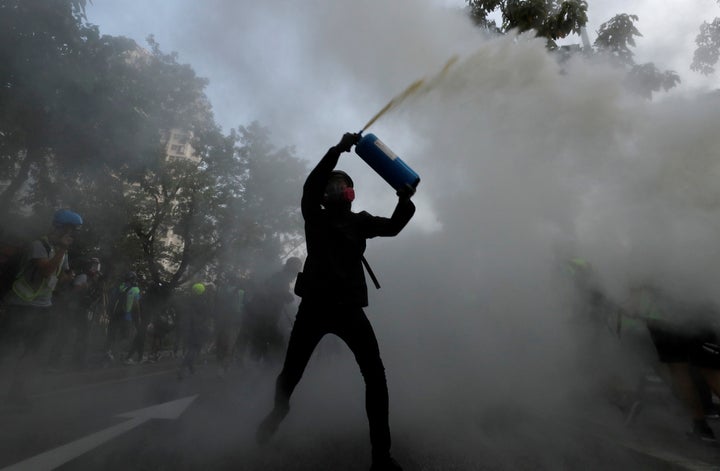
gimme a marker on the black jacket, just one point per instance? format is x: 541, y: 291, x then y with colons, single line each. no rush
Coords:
x: 335, y: 240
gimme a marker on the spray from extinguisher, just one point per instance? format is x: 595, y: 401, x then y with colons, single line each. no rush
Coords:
x: 379, y: 156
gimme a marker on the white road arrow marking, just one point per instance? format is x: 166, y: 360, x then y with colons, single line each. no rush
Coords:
x: 56, y: 457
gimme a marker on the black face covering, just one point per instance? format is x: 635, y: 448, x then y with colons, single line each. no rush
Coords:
x: 344, y: 195
x: 338, y: 192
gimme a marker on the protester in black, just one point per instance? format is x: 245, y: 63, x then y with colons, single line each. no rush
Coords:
x: 196, y: 330
x: 334, y: 292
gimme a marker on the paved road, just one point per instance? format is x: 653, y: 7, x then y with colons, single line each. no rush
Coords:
x: 91, y: 421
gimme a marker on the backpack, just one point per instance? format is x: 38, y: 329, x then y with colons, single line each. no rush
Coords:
x: 11, y: 259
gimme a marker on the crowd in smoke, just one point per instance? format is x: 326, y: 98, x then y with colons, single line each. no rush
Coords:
x: 526, y: 162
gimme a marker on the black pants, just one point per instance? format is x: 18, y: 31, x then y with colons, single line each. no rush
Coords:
x: 313, y: 321
x: 27, y: 327
x: 69, y: 318
x: 117, y: 329
x: 138, y: 342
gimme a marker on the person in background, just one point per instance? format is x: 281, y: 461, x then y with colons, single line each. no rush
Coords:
x: 263, y: 312
x: 124, y: 301
x: 161, y: 325
x: 88, y: 286
x: 139, y: 321
x: 196, y: 328
x: 334, y: 293
x: 229, y: 304
x: 686, y: 342
x: 28, y: 315
x: 84, y: 290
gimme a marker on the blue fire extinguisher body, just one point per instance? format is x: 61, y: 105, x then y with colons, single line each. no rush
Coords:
x: 388, y: 165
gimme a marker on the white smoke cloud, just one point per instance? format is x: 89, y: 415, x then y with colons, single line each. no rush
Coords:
x: 521, y: 159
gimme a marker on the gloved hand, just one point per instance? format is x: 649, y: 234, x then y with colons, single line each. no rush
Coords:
x: 406, y: 192
x: 348, y: 140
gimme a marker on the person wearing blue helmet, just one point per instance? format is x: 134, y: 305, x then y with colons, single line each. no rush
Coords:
x: 66, y: 218
x: 28, y: 315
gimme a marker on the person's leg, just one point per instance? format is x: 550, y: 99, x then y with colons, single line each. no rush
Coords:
x: 126, y: 334
x: 82, y: 330
x: 221, y: 344
x: 134, y: 341
x: 33, y: 327
x: 678, y: 350
x: 192, y: 353
x: 222, y: 347
x: 686, y: 389
x: 111, y: 333
x: 13, y: 347
x: 60, y: 332
x: 305, y: 335
x: 358, y: 334
x: 241, y: 344
x: 712, y: 377
x: 703, y: 388
x: 275, y: 346
x: 188, y: 359
x: 141, y: 337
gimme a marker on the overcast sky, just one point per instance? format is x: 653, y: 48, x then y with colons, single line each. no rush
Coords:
x: 274, y: 61
x: 312, y: 70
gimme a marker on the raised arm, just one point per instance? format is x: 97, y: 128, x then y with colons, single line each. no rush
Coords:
x: 314, y: 187
x: 389, y: 227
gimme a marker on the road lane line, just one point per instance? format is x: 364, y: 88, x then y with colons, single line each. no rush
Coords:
x: 56, y: 457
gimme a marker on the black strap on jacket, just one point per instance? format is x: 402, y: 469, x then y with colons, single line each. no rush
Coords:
x: 370, y: 272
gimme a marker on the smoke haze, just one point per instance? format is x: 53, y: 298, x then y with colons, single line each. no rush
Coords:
x: 524, y: 163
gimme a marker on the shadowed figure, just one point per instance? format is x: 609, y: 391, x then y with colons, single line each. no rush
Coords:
x: 334, y: 292
x: 28, y: 316
x: 264, y: 309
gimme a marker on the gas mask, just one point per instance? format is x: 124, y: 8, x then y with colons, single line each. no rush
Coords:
x: 338, y: 190
x: 339, y: 193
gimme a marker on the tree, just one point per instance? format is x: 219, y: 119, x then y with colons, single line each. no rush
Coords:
x: 84, y: 124
x: 615, y: 39
x: 271, y: 198
x: 617, y: 36
x: 50, y: 91
x: 552, y: 19
x: 234, y: 210
x: 708, y: 47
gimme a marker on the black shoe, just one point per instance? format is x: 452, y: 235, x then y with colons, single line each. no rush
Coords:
x: 269, y: 426
x: 701, y: 431
x: 387, y: 463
